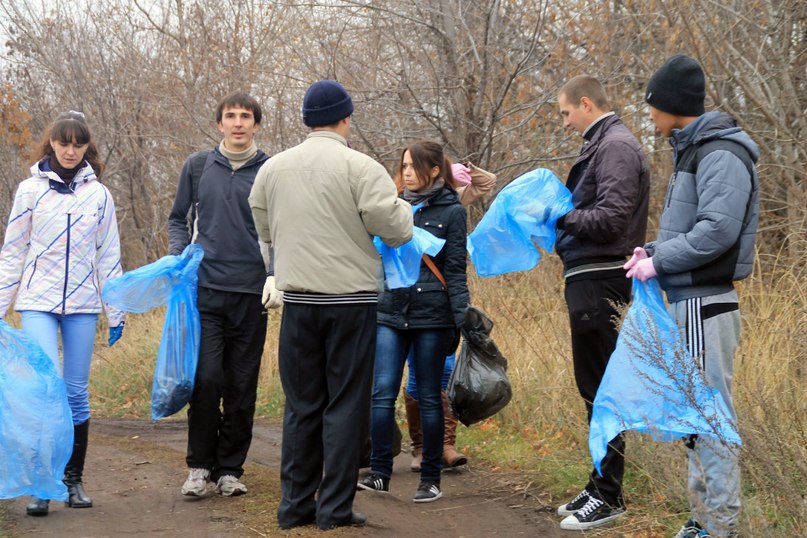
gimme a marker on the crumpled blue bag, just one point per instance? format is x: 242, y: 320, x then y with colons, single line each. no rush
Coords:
x: 402, y: 264
x: 652, y: 384
x: 171, y: 279
x: 523, y: 214
x: 36, y: 425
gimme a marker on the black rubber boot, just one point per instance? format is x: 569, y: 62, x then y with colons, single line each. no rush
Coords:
x: 75, y: 468
x: 37, y: 507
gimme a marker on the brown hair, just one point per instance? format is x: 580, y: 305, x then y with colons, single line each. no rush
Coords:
x: 243, y: 100
x: 425, y: 156
x: 585, y: 86
x: 68, y: 127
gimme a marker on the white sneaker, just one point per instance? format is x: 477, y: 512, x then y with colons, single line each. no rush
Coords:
x: 196, y: 484
x: 229, y: 486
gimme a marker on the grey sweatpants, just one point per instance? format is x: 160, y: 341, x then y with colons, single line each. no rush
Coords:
x: 711, y: 327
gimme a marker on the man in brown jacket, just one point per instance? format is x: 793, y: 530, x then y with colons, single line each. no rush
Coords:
x: 609, y: 182
x: 318, y: 205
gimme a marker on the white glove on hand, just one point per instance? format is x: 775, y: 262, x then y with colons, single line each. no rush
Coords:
x: 272, y: 297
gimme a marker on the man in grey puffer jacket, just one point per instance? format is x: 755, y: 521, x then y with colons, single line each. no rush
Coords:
x: 706, y: 241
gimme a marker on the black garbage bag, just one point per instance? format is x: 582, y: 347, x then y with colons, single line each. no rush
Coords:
x: 478, y: 387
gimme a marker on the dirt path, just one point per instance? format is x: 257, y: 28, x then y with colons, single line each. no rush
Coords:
x: 135, y: 469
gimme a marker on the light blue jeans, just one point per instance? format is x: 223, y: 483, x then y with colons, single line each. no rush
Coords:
x: 411, y: 383
x: 78, y: 337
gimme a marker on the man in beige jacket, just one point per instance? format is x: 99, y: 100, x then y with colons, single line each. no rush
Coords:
x: 318, y: 205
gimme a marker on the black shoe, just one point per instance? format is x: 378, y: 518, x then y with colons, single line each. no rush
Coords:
x: 37, y: 507
x: 428, y: 491
x: 594, y: 513
x: 357, y: 519
x: 374, y: 482
x: 78, y: 498
x: 574, y: 505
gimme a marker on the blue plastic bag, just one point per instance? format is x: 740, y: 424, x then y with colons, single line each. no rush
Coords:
x: 652, y: 384
x: 171, y: 279
x: 523, y: 214
x: 402, y: 264
x: 36, y: 425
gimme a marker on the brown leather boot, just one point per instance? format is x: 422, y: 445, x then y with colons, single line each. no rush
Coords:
x: 415, y: 433
x: 451, y: 457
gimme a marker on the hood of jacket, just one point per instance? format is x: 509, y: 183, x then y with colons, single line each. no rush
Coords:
x: 712, y: 126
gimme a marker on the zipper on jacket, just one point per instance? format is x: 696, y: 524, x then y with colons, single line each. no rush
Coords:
x: 670, y: 188
x: 66, y: 266
x: 33, y: 272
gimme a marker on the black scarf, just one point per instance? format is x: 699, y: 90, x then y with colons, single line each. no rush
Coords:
x: 66, y: 174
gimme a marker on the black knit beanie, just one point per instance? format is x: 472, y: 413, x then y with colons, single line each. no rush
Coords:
x: 678, y: 87
x: 325, y: 103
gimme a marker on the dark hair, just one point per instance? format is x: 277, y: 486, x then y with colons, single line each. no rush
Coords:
x: 68, y: 127
x: 426, y: 154
x: 585, y: 86
x: 241, y: 99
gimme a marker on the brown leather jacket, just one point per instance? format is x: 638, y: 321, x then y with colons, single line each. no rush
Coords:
x: 610, y: 185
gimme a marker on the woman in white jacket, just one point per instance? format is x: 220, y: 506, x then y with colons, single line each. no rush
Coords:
x: 61, y: 246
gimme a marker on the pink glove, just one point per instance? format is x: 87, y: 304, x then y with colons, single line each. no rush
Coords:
x: 461, y: 173
x: 638, y: 254
x: 644, y: 270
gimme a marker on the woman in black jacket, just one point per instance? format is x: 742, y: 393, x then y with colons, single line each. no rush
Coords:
x: 424, y: 317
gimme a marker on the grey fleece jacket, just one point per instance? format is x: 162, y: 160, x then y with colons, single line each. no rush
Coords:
x: 711, y: 211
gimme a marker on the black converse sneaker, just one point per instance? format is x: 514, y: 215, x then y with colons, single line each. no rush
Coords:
x: 428, y: 491
x: 692, y: 529
x: 574, y: 505
x: 374, y: 482
x: 594, y: 513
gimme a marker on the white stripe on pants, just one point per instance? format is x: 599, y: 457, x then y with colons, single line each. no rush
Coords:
x: 714, y: 471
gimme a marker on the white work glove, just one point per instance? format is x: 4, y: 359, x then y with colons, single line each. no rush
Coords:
x: 272, y: 297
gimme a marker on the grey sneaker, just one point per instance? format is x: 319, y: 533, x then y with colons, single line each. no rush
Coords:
x: 230, y: 486
x: 574, y: 505
x: 196, y: 484
x: 427, y: 492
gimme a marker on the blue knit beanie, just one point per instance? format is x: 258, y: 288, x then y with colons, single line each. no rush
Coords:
x: 326, y: 102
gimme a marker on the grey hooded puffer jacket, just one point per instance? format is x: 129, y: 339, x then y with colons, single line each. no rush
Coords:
x: 711, y: 210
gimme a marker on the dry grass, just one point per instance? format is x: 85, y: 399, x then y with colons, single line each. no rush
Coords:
x: 543, y: 434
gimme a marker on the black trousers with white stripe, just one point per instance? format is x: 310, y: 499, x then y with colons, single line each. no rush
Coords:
x: 592, y: 315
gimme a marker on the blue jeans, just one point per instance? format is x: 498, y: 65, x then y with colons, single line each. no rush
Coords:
x: 78, y: 338
x: 411, y: 384
x: 429, y: 348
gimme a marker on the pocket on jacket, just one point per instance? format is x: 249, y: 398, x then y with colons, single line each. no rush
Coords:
x: 430, y: 305
x: 436, y: 227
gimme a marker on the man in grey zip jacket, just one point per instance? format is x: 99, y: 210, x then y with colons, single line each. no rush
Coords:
x: 215, y: 186
x: 705, y: 242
